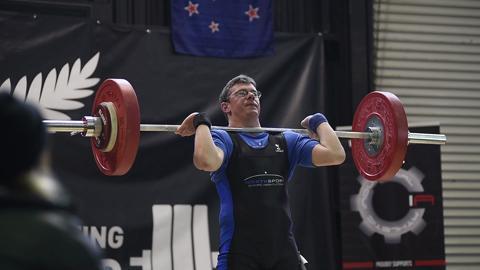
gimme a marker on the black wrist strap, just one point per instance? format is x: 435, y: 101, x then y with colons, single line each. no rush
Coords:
x: 201, y: 119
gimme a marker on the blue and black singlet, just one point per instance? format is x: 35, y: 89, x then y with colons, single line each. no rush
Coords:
x: 255, y: 220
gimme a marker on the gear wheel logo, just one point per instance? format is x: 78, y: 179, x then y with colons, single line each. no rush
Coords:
x: 392, y: 231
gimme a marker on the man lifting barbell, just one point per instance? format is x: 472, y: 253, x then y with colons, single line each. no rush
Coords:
x: 380, y: 133
x: 251, y: 167
x: 250, y: 171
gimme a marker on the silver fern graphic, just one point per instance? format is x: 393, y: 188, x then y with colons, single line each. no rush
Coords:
x: 58, y: 93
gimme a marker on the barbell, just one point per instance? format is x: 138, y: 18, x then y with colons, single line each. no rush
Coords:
x: 379, y: 133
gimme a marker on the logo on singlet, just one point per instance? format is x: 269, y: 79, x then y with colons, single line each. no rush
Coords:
x: 264, y: 180
x: 278, y: 149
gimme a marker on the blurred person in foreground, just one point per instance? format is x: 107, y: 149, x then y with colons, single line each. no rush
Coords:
x: 38, y: 229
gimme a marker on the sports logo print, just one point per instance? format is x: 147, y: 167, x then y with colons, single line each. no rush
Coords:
x: 392, y: 231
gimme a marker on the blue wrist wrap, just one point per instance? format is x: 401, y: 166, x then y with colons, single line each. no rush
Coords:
x: 315, y: 121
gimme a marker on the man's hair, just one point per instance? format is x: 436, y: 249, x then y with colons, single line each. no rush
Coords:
x: 23, y: 137
x: 237, y: 80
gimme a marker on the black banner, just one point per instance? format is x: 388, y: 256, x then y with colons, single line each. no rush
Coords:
x: 396, y: 224
x: 163, y: 214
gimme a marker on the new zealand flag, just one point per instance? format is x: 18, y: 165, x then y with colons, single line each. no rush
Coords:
x: 222, y: 28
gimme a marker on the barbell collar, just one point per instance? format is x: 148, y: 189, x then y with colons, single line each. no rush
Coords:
x: 93, y: 126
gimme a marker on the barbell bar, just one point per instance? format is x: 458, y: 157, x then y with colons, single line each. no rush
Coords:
x: 90, y: 130
x: 379, y: 132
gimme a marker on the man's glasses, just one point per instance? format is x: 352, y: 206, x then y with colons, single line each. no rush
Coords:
x: 244, y: 93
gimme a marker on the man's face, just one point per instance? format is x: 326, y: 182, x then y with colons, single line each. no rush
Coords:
x: 243, y: 101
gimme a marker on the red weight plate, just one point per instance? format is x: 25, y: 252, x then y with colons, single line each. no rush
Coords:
x: 385, y: 162
x: 120, y: 159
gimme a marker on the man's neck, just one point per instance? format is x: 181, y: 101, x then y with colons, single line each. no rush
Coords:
x: 244, y: 124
